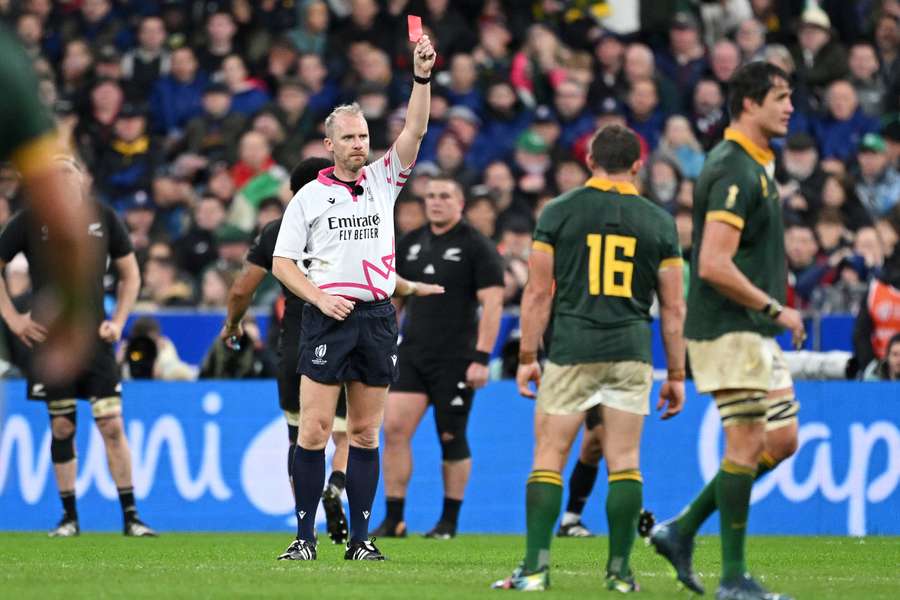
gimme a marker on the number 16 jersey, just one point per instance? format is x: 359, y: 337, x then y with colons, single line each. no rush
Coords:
x: 608, y: 245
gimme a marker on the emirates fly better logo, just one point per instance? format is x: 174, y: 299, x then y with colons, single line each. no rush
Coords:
x: 320, y: 351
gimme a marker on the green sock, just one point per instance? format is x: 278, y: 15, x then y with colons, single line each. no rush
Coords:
x: 543, y: 499
x: 733, y: 488
x: 696, y: 513
x: 623, y: 507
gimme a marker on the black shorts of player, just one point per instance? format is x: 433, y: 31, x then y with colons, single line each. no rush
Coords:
x: 288, y: 378
x: 363, y: 347
x: 99, y: 379
x: 443, y: 380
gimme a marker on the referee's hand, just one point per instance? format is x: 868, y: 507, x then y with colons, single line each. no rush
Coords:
x: 525, y: 374
x: 334, y: 306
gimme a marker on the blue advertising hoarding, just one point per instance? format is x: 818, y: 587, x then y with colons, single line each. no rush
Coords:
x: 212, y: 456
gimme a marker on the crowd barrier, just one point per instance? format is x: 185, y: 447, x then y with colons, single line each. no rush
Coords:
x: 194, y: 332
x: 211, y: 457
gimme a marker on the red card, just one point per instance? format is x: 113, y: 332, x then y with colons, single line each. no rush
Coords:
x: 414, y: 24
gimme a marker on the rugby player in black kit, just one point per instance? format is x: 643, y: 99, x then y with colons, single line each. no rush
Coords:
x: 99, y: 381
x: 258, y: 265
x: 444, y: 352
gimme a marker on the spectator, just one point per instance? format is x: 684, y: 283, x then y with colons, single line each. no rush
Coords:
x: 480, y: 212
x: 448, y: 26
x: 98, y: 24
x: 108, y: 64
x: 126, y: 166
x: 30, y: 30
x: 492, y: 54
x: 887, y: 43
x: 451, y: 154
x: 644, y: 115
x: 323, y: 93
x: 887, y: 369
x: 684, y: 60
x: 878, y: 185
x: 724, y: 59
x: 532, y: 162
x: 838, y: 193
x: 505, y: 119
x: 879, y: 320
x: 178, y: 97
x: 868, y: 247
x: 806, y: 272
x: 546, y: 126
x: 256, y: 176
x: 310, y: 36
x: 462, y: 89
x: 866, y: 78
x: 216, y: 282
x: 95, y: 132
x: 464, y: 123
x: 708, y: 117
x: 150, y: 60
x: 800, y: 179
x: 662, y: 181
x: 751, y: 40
x: 293, y: 112
x: 680, y: 146
x: 373, y: 100
x: 148, y: 354
x: 247, y: 95
x: 270, y: 208
x: 140, y: 219
x: 232, y: 243
x: 173, y: 195
x: 499, y: 180
x: 76, y: 70
x: 888, y: 230
x: 198, y: 249
x: 366, y: 23
x: 820, y: 58
x: 639, y: 65
x: 537, y: 68
x: 221, y: 32
x: 831, y: 233
x: 572, y: 112
x: 514, y: 248
x: 568, y: 175
x: 841, y: 130
x: 162, y: 287
x: 213, y: 135
x: 891, y: 136
x: 609, y: 53
x: 409, y: 214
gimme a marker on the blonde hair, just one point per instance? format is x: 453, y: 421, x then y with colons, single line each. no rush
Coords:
x: 344, y: 109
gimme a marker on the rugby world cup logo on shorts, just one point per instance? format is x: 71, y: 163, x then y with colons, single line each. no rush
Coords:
x: 320, y: 351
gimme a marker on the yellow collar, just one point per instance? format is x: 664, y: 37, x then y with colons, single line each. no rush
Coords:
x: 605, y: 185
x: 138, y: 146
x: 763, y: 156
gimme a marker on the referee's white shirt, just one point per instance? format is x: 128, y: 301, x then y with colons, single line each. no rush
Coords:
x: 347, y: 239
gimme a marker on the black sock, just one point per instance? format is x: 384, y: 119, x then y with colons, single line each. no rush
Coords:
x: 292, y: 445
x: 395, y: 509
x: 68, y: 502
x: 309, y: 479
x: 450, y: 513
x: 581, y: 482
x: 362, y: 481
x: 338, y: 479
x: 126, y: 499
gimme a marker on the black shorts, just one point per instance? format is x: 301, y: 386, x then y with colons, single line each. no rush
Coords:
x: 288, y: 378
x: 362, y: 348
x: 99, y: 379
x: 443, y: 380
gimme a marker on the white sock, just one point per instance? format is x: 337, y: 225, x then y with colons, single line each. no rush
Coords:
x: 570, y: 518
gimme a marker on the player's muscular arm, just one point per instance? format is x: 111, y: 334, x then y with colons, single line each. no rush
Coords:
x: 21, y: 325
x: 491, y: 300
x: 719, y: 245
x: 287, y: 272
x: 126, y: 296
x: 537, y: 300
x: 407, y: 144
x: 671, y: 313
x: 239, y: 297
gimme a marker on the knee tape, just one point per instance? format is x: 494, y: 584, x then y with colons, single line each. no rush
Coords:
x: 62, y: 450
x: 781, y: 412
x: 741, y: 407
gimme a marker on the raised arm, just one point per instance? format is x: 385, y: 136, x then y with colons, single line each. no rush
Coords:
x: 407, y: 144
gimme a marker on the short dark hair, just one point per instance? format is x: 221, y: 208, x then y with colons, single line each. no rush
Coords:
x: 307, y: 170
x: 455, y: 183
x: 615, y: 148
x: 752, y: 81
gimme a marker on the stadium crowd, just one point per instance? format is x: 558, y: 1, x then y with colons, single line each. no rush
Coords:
x: 190, y: 115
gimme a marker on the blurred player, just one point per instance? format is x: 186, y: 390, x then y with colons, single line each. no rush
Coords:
x: 609, y: 251
x: 99, y: 381
x: 28, y: 140
x: 343, y: 224
x: 734, y: 313
x: 444, y: 355
x: 258, y: 264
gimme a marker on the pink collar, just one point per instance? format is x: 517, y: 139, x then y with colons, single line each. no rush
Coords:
x: 325, y: 179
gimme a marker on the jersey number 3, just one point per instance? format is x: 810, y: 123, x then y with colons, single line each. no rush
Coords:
x: 616, y: 273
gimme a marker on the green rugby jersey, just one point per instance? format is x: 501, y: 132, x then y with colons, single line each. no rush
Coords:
x: 608, y: 245
x: 25, y: 124
x: 735, y: 187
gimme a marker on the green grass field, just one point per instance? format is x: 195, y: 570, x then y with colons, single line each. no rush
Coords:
x: 233, y: 565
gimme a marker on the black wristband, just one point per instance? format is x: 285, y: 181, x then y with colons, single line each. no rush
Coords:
x: 482, y: 358
x: 422, y: 80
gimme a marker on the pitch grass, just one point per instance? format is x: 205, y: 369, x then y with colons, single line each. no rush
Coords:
x: 244, y: 565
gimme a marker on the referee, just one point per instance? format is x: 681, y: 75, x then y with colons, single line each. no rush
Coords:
x: 445, y: 350
x: 258, y: 264
x: 98, y: 382
x: 343, y: 225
